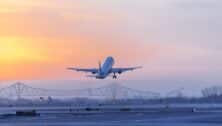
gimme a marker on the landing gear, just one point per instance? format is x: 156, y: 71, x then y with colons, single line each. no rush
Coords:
x: 114, y: 76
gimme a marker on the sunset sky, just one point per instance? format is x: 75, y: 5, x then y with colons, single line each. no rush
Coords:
x: 171, y: 39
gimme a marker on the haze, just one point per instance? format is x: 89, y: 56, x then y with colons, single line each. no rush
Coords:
x: 171, y: 39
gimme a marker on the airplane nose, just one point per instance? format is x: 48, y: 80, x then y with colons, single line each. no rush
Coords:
x: 111, y: 58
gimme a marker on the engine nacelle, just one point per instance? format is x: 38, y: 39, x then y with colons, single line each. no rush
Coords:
x: 119, y: 72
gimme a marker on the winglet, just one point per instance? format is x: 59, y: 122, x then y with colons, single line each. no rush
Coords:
x: 71, y: 68
x: 138, y: 67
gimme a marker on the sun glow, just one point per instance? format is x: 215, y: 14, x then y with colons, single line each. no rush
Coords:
x: 14, y: 50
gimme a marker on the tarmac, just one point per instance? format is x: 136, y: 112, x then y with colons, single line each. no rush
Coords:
x: 112, y: 116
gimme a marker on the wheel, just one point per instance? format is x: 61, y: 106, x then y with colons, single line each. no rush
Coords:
x: 114, y: 77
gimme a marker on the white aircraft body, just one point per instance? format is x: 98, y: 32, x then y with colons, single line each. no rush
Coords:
x: 105, y: 70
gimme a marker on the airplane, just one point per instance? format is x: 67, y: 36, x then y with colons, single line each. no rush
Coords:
x: 105, y: 70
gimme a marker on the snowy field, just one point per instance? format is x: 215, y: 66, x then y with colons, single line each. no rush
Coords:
x: 114, y: 116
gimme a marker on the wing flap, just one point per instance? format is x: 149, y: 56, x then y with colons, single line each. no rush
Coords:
x: 93, y: 70
x: 120, y: 70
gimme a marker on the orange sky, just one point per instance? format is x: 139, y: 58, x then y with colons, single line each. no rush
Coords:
x: 40, y: 38
x: 25, y: 58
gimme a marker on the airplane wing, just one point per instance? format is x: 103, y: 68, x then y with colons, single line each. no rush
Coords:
x: 93, y: 70
x: 121, y: 70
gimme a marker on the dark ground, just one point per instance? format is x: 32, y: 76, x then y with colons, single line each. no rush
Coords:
x: 123, y: 117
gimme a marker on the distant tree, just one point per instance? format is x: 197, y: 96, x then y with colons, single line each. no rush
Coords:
x: 214, y: 91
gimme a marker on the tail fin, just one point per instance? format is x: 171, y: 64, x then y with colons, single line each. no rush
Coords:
x: 100, y: 67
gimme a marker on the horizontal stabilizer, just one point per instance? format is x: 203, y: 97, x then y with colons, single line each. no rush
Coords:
x: 94, y: 76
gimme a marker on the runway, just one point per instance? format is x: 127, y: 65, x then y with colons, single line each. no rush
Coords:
x: 66, y: 116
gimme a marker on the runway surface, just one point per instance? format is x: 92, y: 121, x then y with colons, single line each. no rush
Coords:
x: 125, y: 116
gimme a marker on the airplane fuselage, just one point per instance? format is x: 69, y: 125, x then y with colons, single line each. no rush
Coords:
x: 106, y: 68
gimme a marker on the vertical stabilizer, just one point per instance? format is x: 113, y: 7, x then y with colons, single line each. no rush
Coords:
x: 100, y: 67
